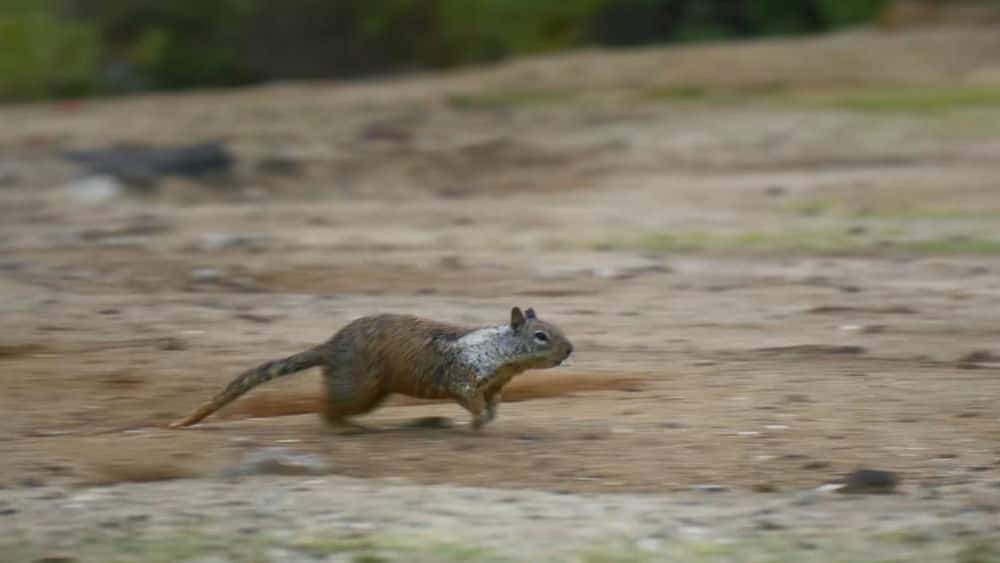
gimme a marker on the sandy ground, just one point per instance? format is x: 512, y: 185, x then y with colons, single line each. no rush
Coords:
x: 777, y: 262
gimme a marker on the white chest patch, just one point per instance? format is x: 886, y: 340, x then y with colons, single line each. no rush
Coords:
x: 486, y: 349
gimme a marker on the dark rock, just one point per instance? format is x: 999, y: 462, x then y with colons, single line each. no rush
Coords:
x: 870, y: 481
x: 769, y: 525
x: 279, y: 166
x: 593, y: 435
x: 814, y: 465
x: 397, y: 131
x: 980, y: 356
x: 172, y: 344
x: 976, y: 358
x: 808, y: 545
x: 144, y: 166
x: 775, y: 191
x: 12, y: 265
x: 56, y: 468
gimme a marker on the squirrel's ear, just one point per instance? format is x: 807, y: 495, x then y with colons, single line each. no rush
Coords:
x: 516, y: 318
x: 530, y: 313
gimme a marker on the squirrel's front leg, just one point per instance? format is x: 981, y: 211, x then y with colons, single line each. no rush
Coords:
x: 489, y: 412
x: 475, y: 403
x: 492, y: 402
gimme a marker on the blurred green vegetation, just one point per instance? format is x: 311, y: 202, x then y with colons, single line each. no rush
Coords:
x: 54, y: 48
x: 43, y: 54
x: 917, y: 100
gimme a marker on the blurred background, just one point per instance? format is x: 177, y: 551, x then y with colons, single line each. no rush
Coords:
x: 771, y: 229
x: 54, y: 48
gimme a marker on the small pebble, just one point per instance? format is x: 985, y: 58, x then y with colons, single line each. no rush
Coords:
x: 814, y: 465
x: 769, y: 525
x: 172, y: 344
x: 205, y: 275
x: 94, y: 190
x: 711, y: 488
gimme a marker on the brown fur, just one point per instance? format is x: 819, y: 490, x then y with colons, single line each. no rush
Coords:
x: 373, y: 357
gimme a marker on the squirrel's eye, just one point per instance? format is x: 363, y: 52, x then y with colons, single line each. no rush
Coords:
x: 541, y: 336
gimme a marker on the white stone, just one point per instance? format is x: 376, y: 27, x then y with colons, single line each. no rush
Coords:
x: 94, y: 190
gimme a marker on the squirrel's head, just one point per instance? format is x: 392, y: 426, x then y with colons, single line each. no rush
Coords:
x: 546, y: 345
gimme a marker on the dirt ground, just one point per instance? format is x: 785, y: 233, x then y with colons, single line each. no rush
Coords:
x: 777, y: 261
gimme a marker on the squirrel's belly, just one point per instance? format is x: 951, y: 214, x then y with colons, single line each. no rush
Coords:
x: 423, y: 388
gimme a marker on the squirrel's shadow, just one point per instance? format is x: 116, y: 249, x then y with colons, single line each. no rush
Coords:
x: 424, y: 425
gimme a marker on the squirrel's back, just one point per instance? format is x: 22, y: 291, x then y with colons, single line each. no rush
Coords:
x: 402, y: 353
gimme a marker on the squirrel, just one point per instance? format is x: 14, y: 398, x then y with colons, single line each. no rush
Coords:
x: 372, y: 357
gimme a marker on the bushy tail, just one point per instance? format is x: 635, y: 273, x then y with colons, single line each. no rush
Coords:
x: 250, y: 379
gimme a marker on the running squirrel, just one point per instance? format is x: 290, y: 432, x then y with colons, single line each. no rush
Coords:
x: 375, y: 356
